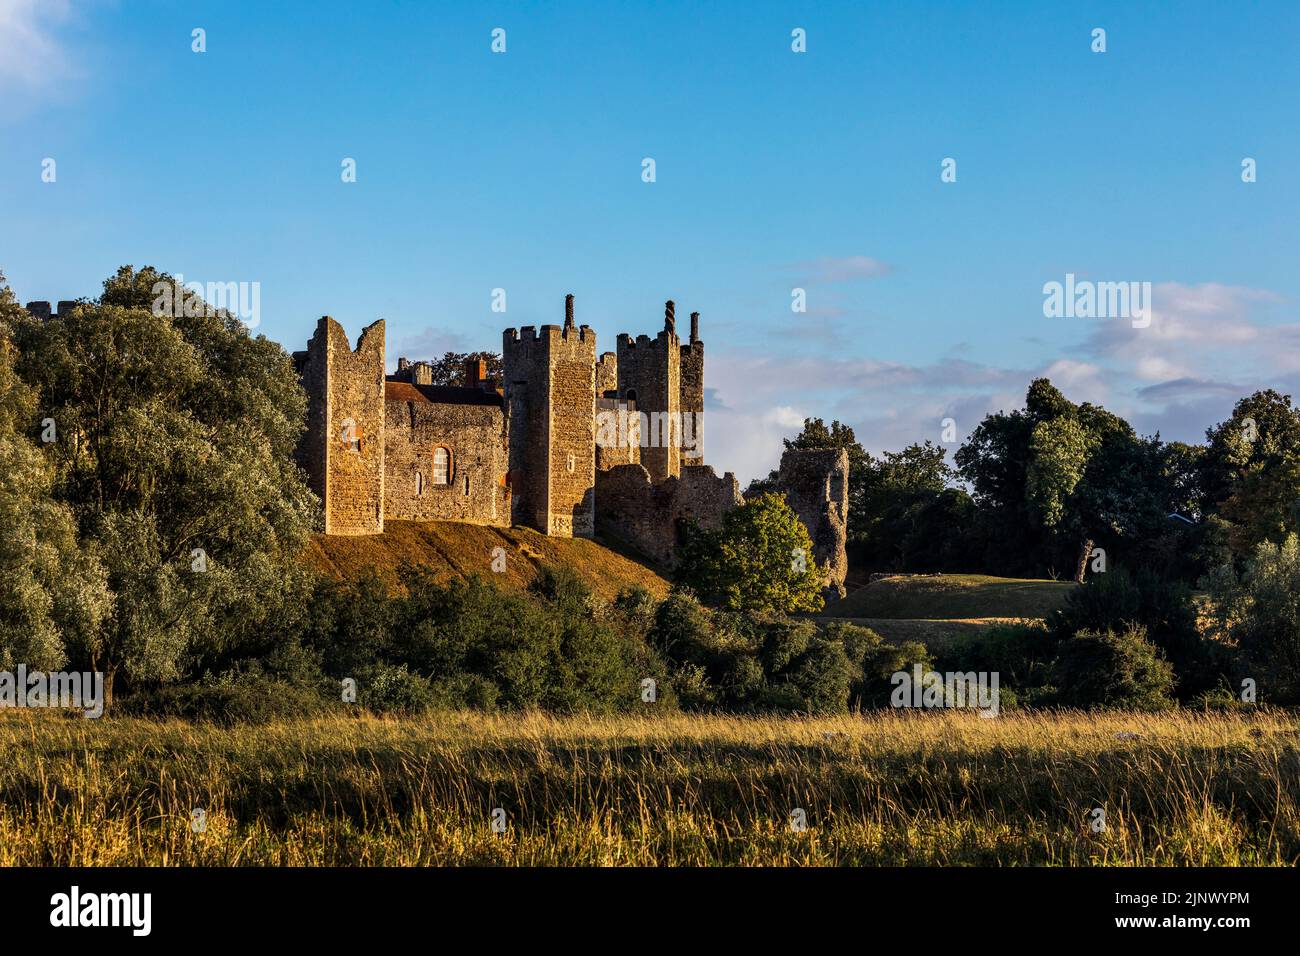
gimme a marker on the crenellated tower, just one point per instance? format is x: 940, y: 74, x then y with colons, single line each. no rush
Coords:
x: 550, y: 385
x: 649, y: 374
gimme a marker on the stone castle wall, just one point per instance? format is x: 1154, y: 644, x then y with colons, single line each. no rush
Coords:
x: 343, y: 447
x: 550, y: 382
x: 691, y: 398
x: 473, y: 437
x: 650, y: 515
x: 649, y: 373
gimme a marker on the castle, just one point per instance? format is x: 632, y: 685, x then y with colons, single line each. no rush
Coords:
x: 569, y: 442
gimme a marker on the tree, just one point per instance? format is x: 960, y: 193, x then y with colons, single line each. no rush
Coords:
x: 53, y: 593
x: 1058, y: 477
x: 450, y: 369
x: 176, y: 429
x: 759, y: 560
x: 1259, y: 611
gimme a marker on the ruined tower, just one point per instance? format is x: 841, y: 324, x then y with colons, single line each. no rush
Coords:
x: 649, y: 374
x: 550, y: 383
x: 692, y: 396
x: 816, y: 486
x: 342, y: 450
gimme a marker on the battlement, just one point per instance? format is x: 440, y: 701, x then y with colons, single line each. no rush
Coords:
x: 41, y: 309
x: 527, y: 334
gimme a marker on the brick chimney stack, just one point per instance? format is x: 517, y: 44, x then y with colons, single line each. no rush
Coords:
x: 475, y: 373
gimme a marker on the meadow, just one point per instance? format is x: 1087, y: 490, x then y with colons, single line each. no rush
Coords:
x: 885, y: 788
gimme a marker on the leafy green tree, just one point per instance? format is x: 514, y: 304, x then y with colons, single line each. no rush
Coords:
x: 1058, y: 477
x: 1259, y: 611
x: 450, y: 369
x: 53, y: 593
x: 759, y: 560
x: 176, y: 429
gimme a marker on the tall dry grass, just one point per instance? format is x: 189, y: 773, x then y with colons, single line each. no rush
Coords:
x: 930, y: 788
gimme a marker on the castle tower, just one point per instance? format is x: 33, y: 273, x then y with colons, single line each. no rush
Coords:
x: 692, y: 396
x: 550, y: 382
x: 649, y: 373
x: 342, y: 450
x: 815, y: 482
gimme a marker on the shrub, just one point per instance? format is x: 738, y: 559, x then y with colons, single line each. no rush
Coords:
x: 1260, y: 611
x: 227, y: 704
x: 1113, y: 669
x: 1163, y: 609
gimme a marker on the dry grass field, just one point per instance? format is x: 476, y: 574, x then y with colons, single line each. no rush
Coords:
x: 883, y: 789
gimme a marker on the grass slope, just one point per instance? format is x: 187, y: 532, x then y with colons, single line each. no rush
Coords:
x: 452, y: 549
x: 883, y: 788
x: 953, y: 597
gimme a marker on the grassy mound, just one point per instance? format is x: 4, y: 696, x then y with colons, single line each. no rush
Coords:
x: 955, y: 597
x: 452, y: 550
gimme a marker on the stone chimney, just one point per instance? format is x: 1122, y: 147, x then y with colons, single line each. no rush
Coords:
x: 695, y: 327
x: 670, y: 319
x: 568, y: 312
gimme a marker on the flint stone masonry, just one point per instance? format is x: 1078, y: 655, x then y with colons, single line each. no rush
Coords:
x: 816, y: 486
x: 469, y: 426
x: 550, y: 382
x: 342, y: 450
x: 651, y: 516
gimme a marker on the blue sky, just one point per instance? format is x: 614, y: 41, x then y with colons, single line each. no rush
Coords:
x: 774, y: 169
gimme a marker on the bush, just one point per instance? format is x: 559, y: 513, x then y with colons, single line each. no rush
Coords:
x: 873, y: 662
x: 227, y: 704
x: 1113, y: 669
x: 1260, y: 612
x: 392, y: 689
x: 1163, y: 609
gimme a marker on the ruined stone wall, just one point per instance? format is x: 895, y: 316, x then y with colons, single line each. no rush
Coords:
x: 649, y: 372
x: 816, y: 486
x: 550, y: 381
x: 475, y: 438
x: 649, y: 516
x: 342, y: 450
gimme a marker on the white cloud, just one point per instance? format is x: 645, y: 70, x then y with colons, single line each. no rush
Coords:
x: 31, y: 59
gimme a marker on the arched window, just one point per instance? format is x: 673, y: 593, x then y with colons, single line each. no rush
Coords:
x: 441, y: 466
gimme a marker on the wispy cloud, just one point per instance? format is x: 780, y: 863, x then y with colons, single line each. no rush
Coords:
x: 842, y: 269
x: 32, y: 60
